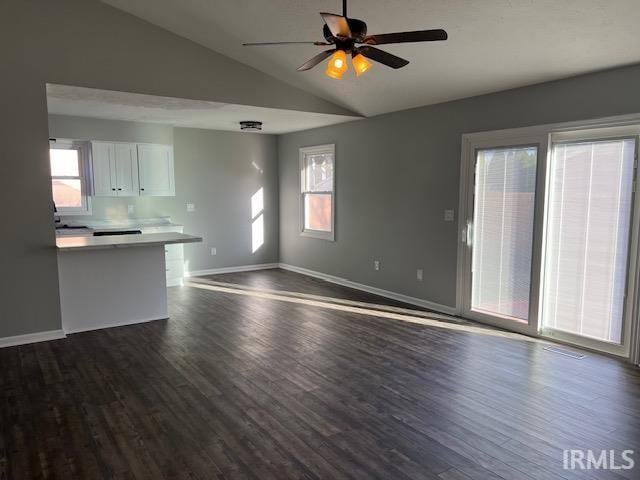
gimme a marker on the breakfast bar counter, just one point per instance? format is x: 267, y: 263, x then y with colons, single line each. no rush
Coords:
x: 114, y: 280
x: 86, y: 242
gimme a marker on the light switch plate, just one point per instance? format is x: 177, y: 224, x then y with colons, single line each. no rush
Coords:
x: 191, y: 207
x: 131, y: 209
x: 214, y: 251
x: 449, y: 215
x: 419, y: 274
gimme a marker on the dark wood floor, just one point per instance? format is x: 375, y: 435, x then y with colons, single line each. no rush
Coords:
x: 283, y: 280
x: 235, y: 386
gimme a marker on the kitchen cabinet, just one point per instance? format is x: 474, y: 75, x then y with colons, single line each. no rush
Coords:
x: 174, y: 255
x: 155, y: 167
x: 131, y: 170
x: 102, y: 157
x: 126, y: 169
x: 115, y: 169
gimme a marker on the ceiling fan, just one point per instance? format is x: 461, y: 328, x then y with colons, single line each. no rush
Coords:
x: 349, y: 36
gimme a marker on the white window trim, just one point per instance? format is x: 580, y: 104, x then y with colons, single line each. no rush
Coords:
x: 85, y: 176
x: 329, y: 148
x: 609, y: 127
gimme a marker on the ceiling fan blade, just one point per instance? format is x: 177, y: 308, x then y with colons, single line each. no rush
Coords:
x: 382, y: 57
x: 405, y: 37
x: 337, y: 24
x: 309, y: 64
x: 266, y: 44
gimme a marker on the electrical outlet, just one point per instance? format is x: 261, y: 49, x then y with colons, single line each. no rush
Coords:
x: 449, y: 215
x: 376, y: 265
x: 419, y: 274
x: 214, y: 251
x: 191, y: 207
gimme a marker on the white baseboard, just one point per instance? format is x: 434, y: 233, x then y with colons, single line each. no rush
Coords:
x: 240, y: 268
x: 112, y: 325
x: 31, y: 338
x: 436, y: 307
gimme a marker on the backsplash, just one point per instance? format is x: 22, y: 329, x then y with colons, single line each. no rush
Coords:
x: 122, y: 210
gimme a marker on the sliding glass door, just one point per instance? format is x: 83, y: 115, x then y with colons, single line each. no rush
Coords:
x: 550, y: 234
x: 587, y: 254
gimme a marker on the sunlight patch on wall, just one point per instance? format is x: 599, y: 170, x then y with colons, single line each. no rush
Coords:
x: 257, y: 220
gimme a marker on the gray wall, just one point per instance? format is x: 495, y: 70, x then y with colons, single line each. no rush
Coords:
x: 397, y: 173
x: 87, y: 43
x: 217, y: 171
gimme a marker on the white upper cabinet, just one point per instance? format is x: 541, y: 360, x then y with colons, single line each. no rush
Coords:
x: 155, y: 166
x: 130, y: 170
x: 126, y: 167
x: 102, y: 159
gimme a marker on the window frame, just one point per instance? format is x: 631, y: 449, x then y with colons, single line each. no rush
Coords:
x: 316, y: 150
x: 83, y: 175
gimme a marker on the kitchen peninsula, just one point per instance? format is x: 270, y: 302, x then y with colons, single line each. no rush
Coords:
x: 114, y: 280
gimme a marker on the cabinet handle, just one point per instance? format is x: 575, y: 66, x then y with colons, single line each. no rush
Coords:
x: 142, y: 189
x: 119, y: 189
x: 113, y: 189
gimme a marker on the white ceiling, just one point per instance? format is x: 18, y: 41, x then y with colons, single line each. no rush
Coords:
x: 493, y: 44
x: 179, y: 112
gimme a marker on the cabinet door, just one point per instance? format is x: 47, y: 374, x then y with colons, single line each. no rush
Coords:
x: 126, y: 168
x: 155, y: 165
x: 104, y: 175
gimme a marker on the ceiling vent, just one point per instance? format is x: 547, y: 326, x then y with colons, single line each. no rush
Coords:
x: 251, y: 125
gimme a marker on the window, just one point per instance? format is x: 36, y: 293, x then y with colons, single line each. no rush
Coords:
x: 317, y: 169
x: 68, y: 177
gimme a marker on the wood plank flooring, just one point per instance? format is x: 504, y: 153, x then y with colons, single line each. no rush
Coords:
x: 238, y: 386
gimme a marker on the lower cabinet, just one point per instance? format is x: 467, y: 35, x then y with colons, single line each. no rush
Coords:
x: 174, y: 256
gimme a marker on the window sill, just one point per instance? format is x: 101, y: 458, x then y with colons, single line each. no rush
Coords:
x: 73, y: 213
x: 318, y: 234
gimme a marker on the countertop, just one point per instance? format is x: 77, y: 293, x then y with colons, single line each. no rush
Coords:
x: 123, y: 241
x: 77, y: 228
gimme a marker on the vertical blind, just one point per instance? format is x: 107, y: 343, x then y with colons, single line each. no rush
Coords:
x: 587, y: 241
x: 504, y: 201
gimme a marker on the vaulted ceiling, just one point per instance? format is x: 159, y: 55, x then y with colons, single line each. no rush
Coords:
x: 493, y: 44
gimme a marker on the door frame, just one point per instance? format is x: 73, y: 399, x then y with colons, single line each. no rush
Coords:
x: 543, y: 133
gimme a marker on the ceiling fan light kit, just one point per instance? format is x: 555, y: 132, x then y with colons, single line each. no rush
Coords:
x: 349, y: 36
x: 360, y: 63
x: 337, y: 66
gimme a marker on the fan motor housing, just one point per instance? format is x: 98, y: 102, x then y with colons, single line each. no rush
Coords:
x: 358, y: 30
